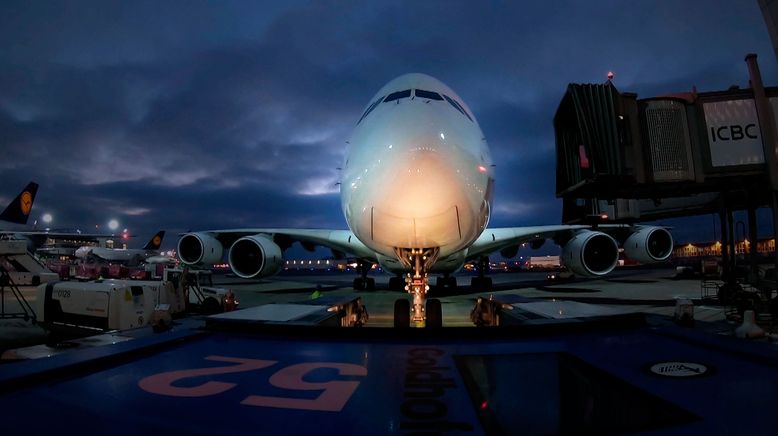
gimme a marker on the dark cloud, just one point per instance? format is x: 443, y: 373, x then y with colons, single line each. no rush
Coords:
x: 202, y: 114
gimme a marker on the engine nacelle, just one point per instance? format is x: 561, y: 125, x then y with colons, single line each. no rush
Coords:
x: 199, y: 248
x: 255, y: 256
x: 649, y: 245
x: 591, y: 254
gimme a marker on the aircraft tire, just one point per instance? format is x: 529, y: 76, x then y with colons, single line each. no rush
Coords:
x: 434, y: 313
x: 402, y: 313
x: 359, y: 285
x: 481, y: 284
x: 397, y: 284
x: 370, y: 284
x: 487, y: 286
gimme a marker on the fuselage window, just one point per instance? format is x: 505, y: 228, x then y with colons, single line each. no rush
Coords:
x: 457, y: 106
x: 397, y: 95
x: 370, y: 109
x: 428, y: 95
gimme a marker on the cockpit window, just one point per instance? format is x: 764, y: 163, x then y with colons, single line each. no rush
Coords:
x: 457, y: 106
x: 370, y: 109
x: 397, y: 95
x: 429, y: 95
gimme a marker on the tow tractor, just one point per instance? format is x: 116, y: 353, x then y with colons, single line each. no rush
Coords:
x: 425, y: 312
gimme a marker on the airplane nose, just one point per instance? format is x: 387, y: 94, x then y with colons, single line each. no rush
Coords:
x: 421, y: 202
x: 424, y: 183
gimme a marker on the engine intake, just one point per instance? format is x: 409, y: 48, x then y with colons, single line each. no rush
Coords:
x: 649, y: 245
x: 199, y: 248
x: 255, y: 256
x: 591, y: 254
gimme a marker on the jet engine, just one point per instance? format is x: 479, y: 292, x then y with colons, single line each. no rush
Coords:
x: 255, y: 256
x: 199, y: 248
x: 590, y: 253
x: 649, y: 244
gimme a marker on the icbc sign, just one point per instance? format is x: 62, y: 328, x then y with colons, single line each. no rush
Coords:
x: 733, y: 133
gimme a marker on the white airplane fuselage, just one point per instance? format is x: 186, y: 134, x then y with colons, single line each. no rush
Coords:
x: 418, y: 173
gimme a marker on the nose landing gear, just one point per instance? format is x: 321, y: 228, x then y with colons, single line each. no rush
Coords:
x: 423, y: 312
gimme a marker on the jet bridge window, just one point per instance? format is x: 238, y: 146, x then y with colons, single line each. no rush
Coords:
x: 457, y: 106
x: 397, y: 95
x: 370, y: 109
x: 429, y: 95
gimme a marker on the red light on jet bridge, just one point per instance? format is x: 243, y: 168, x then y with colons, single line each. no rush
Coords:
x: 484, y: 405
x: 481, y: 168
x: 604, y: 216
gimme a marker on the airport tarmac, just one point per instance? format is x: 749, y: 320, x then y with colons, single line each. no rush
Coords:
x: 625, y: 290
x: 628, y: 290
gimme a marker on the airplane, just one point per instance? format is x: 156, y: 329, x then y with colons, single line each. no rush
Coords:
x: 18, y: 212
x: 416, y: 193
x: 151, y: 249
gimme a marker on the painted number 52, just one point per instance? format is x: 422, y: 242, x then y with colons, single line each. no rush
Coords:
x: 334, y: 396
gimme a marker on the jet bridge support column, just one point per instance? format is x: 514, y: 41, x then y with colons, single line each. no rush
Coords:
x: 725, y: 272
x: 732, y: 246
x: 769, y: 142
x: 753, y: 237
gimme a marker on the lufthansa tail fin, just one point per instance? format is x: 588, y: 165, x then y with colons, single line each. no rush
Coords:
x: 18, y: 211
x: 156, y: 241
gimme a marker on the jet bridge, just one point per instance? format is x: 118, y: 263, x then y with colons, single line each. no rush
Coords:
x: 624, y: 159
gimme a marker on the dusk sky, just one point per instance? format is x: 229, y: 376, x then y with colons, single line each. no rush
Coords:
x: 216, y: 114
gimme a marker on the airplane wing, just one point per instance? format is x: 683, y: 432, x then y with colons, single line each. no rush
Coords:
x: 586, y: 250
x: 508, y: 238
x: 75, y: 236
x: 339, y: 241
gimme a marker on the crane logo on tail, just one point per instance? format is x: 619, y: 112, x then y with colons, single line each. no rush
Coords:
x: 26, y: 202
x: 157, y: 240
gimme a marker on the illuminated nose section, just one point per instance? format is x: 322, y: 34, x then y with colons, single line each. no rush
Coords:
x: 422, y: 199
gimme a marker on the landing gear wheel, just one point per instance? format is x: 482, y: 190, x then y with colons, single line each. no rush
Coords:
x: 481, y: 284
x: 402, y: 313
x: 434, y: 313
x: 397, y: 284
x: 363, y: 282
x: 366, y: 284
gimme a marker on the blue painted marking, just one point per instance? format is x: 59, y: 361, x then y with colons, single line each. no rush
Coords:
x: 410, y: 385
